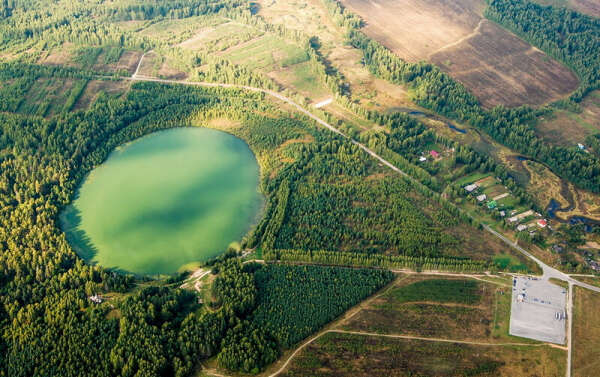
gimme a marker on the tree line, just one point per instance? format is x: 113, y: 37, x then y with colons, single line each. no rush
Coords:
x: 435, y: 90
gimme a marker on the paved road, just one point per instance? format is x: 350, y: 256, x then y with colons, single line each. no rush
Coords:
x: 548, y: 272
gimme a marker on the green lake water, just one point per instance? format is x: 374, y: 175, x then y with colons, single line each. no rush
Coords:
x: 165, y: 200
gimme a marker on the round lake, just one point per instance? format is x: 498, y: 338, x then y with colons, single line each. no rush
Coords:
x: 167, y: 199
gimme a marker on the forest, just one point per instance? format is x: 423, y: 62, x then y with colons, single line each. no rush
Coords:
x: 153, y: 329
x: 295, y: 301
x: 48, y: 326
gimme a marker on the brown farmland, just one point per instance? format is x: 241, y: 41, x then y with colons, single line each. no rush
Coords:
x: 494, y: 64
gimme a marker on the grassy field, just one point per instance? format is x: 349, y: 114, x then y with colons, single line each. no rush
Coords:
x: 355, y: 355
x: 266, y: 53
x: 178, y: 30
x: 492, y: 63
x: 220, y: 35
x: 311, y: 18
x: 302, y: 78
x: 586, y: 333
x: 448, y: 308
x: 567, y: 128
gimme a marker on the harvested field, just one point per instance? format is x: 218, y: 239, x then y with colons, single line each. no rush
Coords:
x: 339, y: 355
x: 151, y: 64
x: 494, y: 64
x: 414, y: 29
x: 373, y: 93
x: 501, y: 69
x: 46, y: 96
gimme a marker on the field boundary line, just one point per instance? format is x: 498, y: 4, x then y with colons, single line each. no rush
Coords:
x: 459, y: 41
x: 409, y: 337
x: 443, y: 340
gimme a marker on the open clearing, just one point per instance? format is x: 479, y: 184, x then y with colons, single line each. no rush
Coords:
x: 336, y: 354
x: 449, y: 308
x: 567, y: 128
x: 495, y: 65
x: 95, y: 87
x: 312, y: 18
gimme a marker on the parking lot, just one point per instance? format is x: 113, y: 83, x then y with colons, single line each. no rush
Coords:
x: 538, y: 310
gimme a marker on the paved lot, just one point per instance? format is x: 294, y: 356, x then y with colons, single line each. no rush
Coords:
x: 534, y: 309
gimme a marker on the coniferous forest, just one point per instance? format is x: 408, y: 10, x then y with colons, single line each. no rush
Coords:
x: 335, y: 220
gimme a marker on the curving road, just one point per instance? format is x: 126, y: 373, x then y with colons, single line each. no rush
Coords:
x: 548, y: 272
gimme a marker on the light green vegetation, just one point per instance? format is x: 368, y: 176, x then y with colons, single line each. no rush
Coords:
x: 165, y: 200
x: 267, y: 52
x: 178, y: 30
x: 305, y: 81
x: 472, y: 178
x: 219, y: 35
x: 508, y: 262
x: 439, y: 290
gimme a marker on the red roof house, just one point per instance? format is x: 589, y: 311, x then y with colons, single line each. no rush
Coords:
x: 434, y: 154
x: 542, y: 223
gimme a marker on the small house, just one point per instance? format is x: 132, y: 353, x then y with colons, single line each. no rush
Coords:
x: 434, y: 154
x: 471, y: 188
x: 422, y: 159
x: 492, y: 204
x: 521, y: 227
x: 581, y: 146
x: 481, y: 198
x: 96, y: 299
x: 502, y: 213
x: 542, y: 223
